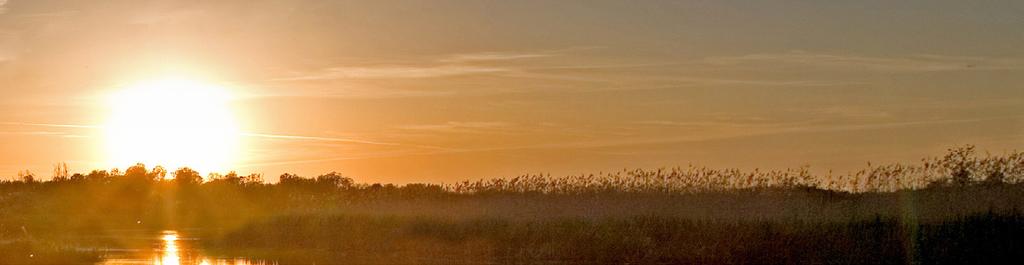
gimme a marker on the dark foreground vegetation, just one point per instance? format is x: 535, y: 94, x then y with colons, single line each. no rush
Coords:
x: 959, y: 208
x: 978, y: 239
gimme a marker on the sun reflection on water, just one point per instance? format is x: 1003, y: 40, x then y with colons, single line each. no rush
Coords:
x: 169, y: 254
x: 173, y: 249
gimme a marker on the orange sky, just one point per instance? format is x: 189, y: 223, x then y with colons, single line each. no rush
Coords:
x: 412, y: 91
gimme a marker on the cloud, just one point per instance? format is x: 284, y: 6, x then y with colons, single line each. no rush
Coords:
x: 40, y: 133
x: 459, y: 127
x: 245, y: 134
x: 509, y: 56
x: 914, y: 63
x: 519, y: 68
x: 3, y: 6
x: 694, y: 123
x: 340, y: 91
x: 314, y: 138
x: 53, y: 133
x: 851, y: 112
x: 48, y: 15
x: 335, y: 139
x: 80, y: 126
x: 494, y: 56
x: 608, y: 66
x: 388, y: 72
x: 449, y: 65
x: 390, y: 154
x: 760, y: 82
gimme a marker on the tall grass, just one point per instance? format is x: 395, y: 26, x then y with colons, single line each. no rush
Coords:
x: 961, y: 166
x: 959, y: 207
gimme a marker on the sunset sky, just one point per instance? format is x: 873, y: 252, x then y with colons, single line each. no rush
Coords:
x: 438, y: 91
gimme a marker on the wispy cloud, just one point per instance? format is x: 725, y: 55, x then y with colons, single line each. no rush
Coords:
x: 81, y: 126
x: 385, y: 72
x: 48, y: 15
x: 285, y: 162
x: 56, y: 132
x: 245, y: 134
x: 40, y: 133
x: 336, y: 139
x: 315, y: 138
x: 443, y: 66
x: 850, y: 112
x: 758, y: 82
x: 493, y: 56
x: 694, y: 123
x: 603, y: 74
x: 343, y: 91
x: 913, y: 63
x: 459, y: 127
x: 603, y: 66
x: 512, y: 55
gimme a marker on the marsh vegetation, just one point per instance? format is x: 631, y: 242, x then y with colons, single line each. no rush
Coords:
x: 961, y: 207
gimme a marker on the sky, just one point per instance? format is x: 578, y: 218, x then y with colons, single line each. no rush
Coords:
x: 441, y: 91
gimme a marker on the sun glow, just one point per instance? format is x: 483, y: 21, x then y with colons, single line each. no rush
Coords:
x: 173, y: 122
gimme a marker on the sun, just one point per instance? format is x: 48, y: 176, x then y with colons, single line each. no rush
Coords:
x: 173, y: 122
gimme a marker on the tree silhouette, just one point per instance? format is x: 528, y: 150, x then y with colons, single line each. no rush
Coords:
x: 187, y: 176
x: 137, y: 172
x: 229, y: 178
x: 158, y: 173
x: 335, y: 179
x: 293, y: 179
x: 252, y: 179
x: 97, y: 175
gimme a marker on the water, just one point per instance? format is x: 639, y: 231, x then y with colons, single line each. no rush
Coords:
x: 166, y: 248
